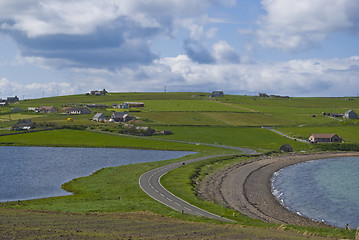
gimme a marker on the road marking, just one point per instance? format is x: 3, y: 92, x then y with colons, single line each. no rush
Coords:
x: 169, y: 199
x: 178, y: 204
x: 200, y: 214
x: 162, y: 195
x: 156, y: 190
x: 187, y: 208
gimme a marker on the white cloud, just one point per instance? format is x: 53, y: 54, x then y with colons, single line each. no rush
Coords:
x: 292, y: 25
x: 312, y: 77
x: 36, y: 90
x: 224, y: 53
x: 37, y: 18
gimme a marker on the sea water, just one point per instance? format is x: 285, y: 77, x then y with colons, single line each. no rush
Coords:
x: 325, y: 190
x: 39, y: 172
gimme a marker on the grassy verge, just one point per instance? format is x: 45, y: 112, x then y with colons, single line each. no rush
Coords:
x: 77, y: 138
x: 183, y: 181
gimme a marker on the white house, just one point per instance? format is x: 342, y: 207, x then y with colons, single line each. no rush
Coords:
x: 99, y: 117
x: 350, y: 114
x: 324, y: 138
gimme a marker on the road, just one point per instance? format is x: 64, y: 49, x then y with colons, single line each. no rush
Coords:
x: 150, y: 184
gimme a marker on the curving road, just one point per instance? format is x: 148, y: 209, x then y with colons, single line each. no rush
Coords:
x: 150, y: 184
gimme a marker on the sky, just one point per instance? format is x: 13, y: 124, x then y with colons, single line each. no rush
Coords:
x: 283, y: 47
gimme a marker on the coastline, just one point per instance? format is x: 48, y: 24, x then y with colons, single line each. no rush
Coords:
x: 246, y: 187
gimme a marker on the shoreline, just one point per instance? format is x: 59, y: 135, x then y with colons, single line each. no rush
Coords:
x: 246, y: 187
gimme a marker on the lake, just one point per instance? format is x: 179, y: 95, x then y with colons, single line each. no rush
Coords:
x: 38, y: 172
x: 325, y: 190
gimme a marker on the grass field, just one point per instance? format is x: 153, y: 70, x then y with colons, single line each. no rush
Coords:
x: 251, y: 137
x: 76, y: 138
x: 350, y: 133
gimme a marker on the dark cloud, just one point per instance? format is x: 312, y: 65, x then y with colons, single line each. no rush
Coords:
x: 197, y: 52
x: 107, y: 47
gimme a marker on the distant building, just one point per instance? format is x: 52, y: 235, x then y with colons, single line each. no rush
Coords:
x: 217, y: 94
x: 324, y: 138
x: 350, y: 114
x: 134, y: 104
x: 16, y: 109
x: 262, y: 95
x: 98, y: 93
x: 120, y: 117
x: 12, y: 99
x: 93, y: 105
x: 99, y: 117
x: 124, y: 105
x: 46, y: 109
x: 3, y: 104
x: 23, y: 124
x: 77, y: 111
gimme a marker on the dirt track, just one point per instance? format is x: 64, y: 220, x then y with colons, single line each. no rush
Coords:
x: 245, y: 187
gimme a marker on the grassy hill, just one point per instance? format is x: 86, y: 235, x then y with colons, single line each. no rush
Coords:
x: 198, y: 117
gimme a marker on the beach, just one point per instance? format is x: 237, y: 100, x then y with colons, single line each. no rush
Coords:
x: 246, y: 187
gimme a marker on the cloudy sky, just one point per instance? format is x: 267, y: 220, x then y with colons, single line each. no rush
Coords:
x: 286, y: 47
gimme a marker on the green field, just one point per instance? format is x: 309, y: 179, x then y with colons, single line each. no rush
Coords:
x: 194, y: 117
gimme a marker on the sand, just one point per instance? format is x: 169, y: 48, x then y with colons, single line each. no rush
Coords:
x: 246, y: 187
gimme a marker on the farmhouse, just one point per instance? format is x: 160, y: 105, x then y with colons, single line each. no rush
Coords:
x: 350, y: 114
x: 324, y: 138
x: 23, y: 124
x: 12, y: 99
x: 3, y: 104
x: 99, y: 117
x: 77, y: 111
x: 98, y: 93
x: 120, y: 117
x: 124, y: 106
x: 46, y: 109
x: 217, y: 94
x: 134, y: 104
x: 94, y: 105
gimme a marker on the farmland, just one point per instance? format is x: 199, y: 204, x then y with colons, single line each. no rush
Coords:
x: 231, y: 120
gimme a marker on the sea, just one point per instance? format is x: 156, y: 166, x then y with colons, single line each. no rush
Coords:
x: 38, y: 172
x: 325, y: 190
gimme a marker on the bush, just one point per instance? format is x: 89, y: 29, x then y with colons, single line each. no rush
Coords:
x: 75, y: 127
x: 337, y: 147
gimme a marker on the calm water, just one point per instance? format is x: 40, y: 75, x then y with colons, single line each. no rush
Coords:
x: 38, y: 172
x: 325, y: 190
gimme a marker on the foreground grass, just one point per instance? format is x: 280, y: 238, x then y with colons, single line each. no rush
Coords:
x: 183, y: 182
x: 20, y: 224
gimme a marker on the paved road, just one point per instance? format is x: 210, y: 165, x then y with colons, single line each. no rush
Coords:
x: 150, y: 184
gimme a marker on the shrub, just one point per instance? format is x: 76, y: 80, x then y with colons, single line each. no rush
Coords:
x: 337, y: 147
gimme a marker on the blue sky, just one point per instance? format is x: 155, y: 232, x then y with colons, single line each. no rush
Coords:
x: 286, y: 47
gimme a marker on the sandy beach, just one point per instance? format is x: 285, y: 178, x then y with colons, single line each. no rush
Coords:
x: 246, y: 187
